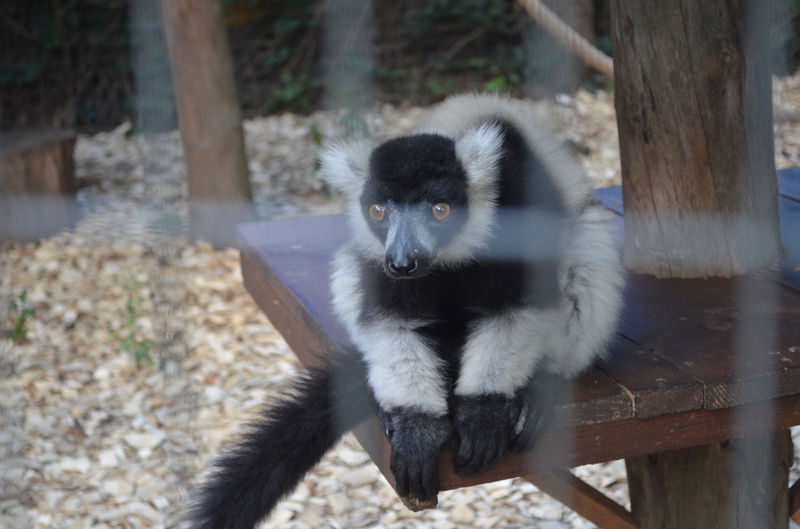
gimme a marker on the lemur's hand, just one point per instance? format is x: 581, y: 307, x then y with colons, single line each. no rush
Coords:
x: 483, y: 425
x: 533, y: 410
x: 416, y: 439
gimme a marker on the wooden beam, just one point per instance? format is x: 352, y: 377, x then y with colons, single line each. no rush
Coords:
x: 584, y: 499
x: 210, y: 118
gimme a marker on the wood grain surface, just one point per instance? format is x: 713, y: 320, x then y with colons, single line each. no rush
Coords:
x: 694, y: 112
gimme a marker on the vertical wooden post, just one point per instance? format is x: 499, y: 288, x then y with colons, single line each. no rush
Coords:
x: 737, y: 484
x: 694, y: 109
x: 210, y: 118
x: 37, y: 183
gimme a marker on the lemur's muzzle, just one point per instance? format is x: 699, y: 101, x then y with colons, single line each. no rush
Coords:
x: 406, y: 257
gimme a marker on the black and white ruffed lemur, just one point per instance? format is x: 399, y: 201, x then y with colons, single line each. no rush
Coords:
x: 479, y: 273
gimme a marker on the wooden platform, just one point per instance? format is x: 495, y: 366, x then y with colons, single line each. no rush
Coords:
x: 696, y: 361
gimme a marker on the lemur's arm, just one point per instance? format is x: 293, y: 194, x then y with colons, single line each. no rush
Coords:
x: 406, y: 376
x: 514, y: 362
x: 499, y: 359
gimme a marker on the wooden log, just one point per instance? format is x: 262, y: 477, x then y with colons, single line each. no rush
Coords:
x: 210, y: 119
x: 734, y: 484
x: 583, y: 499
x: 694, y: 109
x: 37, y: 183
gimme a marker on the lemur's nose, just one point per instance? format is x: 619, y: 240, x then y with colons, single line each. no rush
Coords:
x: 402, y: 268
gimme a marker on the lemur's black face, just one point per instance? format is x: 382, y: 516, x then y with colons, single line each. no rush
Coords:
x: 415, y: 201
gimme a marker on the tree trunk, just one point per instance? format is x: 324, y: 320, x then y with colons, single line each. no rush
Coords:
x: 694, y: 109
x: 210, y: 118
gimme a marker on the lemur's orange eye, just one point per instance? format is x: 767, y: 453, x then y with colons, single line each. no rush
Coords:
x: 441, y: 210
x: 377, y: 211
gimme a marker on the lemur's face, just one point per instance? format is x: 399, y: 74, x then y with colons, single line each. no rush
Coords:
x: 422, y: 201
x: 415, y: 201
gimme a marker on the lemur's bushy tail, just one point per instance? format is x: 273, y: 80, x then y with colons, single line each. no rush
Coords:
x: 282, y: 445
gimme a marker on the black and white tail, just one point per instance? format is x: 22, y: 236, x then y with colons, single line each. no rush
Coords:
x: 282, y: 445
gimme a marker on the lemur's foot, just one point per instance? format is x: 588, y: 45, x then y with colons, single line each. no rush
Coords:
x: 483, y: 425
x: 416, y: 440
x: 533, y: 407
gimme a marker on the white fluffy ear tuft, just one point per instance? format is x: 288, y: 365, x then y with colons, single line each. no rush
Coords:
x: 479, y: 151
x: 345, y: 165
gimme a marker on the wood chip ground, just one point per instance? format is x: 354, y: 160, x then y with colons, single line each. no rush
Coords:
x: 90, y: 440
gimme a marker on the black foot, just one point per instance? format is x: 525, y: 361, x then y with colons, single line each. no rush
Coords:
x: 483, y: 425
x: 533, y: 406
x: 416, y: 440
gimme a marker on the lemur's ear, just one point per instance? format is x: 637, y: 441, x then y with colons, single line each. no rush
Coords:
x: 479, y: 151
x: 345, y: 165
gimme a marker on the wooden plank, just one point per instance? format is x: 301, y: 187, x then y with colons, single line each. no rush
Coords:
x: 783, y: 378
x: 653, y: 384
x: 559, y: 449
x: 738, y: 336
x: 24, y: 141
x: 289, y: 280
x: 669, y: 318
x: 303, y: 335
x: 639, y: 437
x: 294, y: 254
x: 592, y: 398
x: 37, y: 162
x: 788, y: 270
x: 789, y: 183
x: 587, y: 501
x: 611, y: 197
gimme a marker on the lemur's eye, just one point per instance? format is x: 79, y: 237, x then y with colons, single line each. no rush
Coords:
x: 377, y: 211
x: 441, y: 210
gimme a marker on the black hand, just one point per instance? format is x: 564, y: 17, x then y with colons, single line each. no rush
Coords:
x: 533, y: 410
x: 483, y: 425
x: 416, y: 439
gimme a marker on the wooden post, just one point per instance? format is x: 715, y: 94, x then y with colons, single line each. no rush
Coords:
x: 738, y: 484
x: 694, y: 109
x: 37, y: 183
x: 210, y: 118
